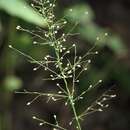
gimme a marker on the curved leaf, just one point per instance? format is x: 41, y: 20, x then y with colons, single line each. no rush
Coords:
x: 22, y: 10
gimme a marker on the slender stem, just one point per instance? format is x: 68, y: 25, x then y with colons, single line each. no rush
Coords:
x: 53, y: 125
x: 75, y: 114
x: 69, y: 94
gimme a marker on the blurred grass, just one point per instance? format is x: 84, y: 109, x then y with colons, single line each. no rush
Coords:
x: 18, y: 8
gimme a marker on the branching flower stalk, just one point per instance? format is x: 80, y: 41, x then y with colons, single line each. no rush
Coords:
x: 60, y: 66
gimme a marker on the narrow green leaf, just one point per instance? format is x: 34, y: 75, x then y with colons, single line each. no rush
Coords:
x: 22, y: 10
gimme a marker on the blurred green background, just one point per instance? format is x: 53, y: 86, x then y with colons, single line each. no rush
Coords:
x: 112, y: 64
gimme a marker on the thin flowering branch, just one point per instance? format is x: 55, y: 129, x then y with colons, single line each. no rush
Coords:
x: 53, y: 96
x: 30, y: 32
x: 87, y: 90
x: 99, y: 104
x: 32, y: 59
x: 43, y: 122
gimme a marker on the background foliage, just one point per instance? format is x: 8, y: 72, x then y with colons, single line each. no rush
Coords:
x: 112, y: 65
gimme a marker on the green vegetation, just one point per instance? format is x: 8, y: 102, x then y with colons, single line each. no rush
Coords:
x: 17, y: 74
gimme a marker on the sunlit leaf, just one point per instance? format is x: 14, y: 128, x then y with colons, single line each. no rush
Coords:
x: 22, y: 10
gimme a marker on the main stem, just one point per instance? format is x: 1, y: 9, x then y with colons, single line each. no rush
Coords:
x: 78, y: 127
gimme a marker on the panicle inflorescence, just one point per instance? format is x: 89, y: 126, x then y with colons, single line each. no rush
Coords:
x: 60, y: 66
